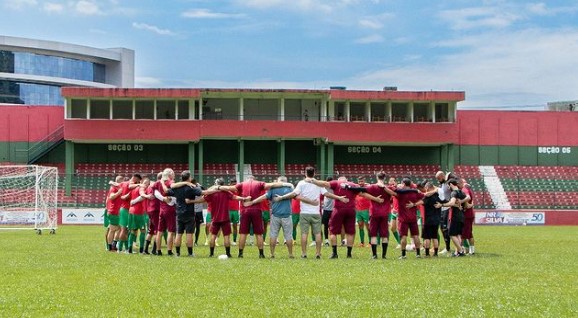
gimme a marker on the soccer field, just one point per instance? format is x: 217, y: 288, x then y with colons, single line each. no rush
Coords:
x: 518, y: 271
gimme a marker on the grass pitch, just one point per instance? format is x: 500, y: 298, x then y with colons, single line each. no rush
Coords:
x: 518, y: 271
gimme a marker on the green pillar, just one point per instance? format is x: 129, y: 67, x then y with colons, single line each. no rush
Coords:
x: 69, y: 167
x: 322, y: 164
x: 200, y: 167
x: 281, y: 157
x: 241, y: 161
x: 451, y: 157
x: 330, y: 163
x: 191, y: 157
x: 444, y: 157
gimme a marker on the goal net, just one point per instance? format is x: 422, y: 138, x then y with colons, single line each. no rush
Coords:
x: 28, y: 196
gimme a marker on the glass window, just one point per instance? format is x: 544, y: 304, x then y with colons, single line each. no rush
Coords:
x: 420, y: 112
x: 99, y: 109
x: 399, y: 111
x: 122, y: 109
x: 183, y: 109
x: 78, y: 108
x: 166, y: 109
x: 144, y: 109
x: 12, y: 92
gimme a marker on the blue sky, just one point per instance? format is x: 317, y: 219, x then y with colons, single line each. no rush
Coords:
x: 503, y: 54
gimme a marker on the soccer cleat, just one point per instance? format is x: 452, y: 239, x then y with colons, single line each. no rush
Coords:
x: 343, y: 242
x: 374, y: 257
x: 442, y: 252
x: 261, y: 256
x: 383, y: 257
x: 349, y: 256
x: 318, y: 257
x: 191, y: 255
x: 312, y: 244
x: 402, y: 257
x: 159, y: 253
x: 418, y: 256
x: 211, y: 255
x: 334, y: 256
x: 326, y: 243
x: 234, y: 243
x: 303, y: 256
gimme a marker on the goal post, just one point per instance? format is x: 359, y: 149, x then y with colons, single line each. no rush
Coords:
x: 28, y: 198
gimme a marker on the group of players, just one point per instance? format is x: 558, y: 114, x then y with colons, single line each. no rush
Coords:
x: 329, y: 208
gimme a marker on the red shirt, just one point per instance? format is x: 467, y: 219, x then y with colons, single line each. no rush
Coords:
x: 250, y: 188
x: 339, y: 191
x: 395, y: 203
x: 408, y: 215
x: 469, y: 213
x: 219, y: 203
x: 152, y: 204
x: 379, y: 209
x: 361, y: 203
x: 113, y: 206
x: 295, y: 206
x: 233, y: 205
x: 165, y: 207
x: 139, y: 208
x: 125, y: 204
x: 265, y: 205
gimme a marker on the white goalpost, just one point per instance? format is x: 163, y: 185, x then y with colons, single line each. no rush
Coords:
x: 28, y: 198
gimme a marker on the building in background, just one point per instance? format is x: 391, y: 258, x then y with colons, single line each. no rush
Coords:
x: 33, y: 71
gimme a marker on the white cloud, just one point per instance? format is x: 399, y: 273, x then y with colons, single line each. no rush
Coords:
x: 87, y: 8
x: 526, y: 67
x: 19, y: 4
x: 53, y: 7
x: 370, y: 24
x: 479, y: 17
x: 374, y: 38
x: 208, y: 14
x: 147, y: 82
x: 541, y: 8
x: 152, y: 28
x: 300, y: 5
x: 375, y: 22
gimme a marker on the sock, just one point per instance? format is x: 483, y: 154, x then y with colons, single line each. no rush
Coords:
x: 108, y: 247
x: 383, y: 249
x: 466, y: 243
x: 197, y: 232
x: 472, y: 249
x: 155, y: 246
x: 120, y: 246
x: 447, y: 241
x: 190, y: 250
x: 261, y: 251
x: 427, y: 251
x: 147, y: 245
x: 334, y: 247
x: 234, y: 237
x: 131, y: 238
x: 417, y: 250
x: 436, y: 251
x: 374, y: 249
x: 362, y: 235
x: 403, y: 252
x: 178, y: 248
x: 294, y: 233
x: 240, y: 252
x: 141, y: 240
x: 170, y: 252
x: 115, y: 245
x: 349, y: 248
x: 396, y: 235
x: 264, y: 234
x: 211, y: 251
x: 228, y: 251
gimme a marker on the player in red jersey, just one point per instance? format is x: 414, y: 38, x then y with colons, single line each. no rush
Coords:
x: 408, y: 197
x: 393, y: 215
x: 266, y: 214
x: 295, y: 216
x: 167, y: 215
x: 152, y: 209
x: 113, y: 207
x: 137, y: 212
x: 127, y: 187
x: 362, y: 205
x: 251, y: 216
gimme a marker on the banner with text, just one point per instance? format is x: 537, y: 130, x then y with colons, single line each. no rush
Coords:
x: 511, y: 218
x: 83, y: 216
x: 21, y: 217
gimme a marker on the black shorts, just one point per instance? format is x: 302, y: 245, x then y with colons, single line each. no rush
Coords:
x: 326, y: 216
x: 456, y: 228
x: 186, y: 224
x: 199, y: 218
x: 444, y: 219
x: 429, y: 232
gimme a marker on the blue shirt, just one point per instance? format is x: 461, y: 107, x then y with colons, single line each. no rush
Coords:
x: 281, y: 209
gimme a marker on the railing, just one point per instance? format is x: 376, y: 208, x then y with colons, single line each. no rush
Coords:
x: 48, y: 143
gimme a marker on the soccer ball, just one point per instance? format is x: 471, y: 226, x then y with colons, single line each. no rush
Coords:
x: 223, y: 257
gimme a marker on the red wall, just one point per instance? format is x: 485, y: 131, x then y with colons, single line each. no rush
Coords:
x: 29, y: 123
x: 509, y: 128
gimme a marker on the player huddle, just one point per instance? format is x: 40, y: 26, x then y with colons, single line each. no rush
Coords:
x: 170, y: 208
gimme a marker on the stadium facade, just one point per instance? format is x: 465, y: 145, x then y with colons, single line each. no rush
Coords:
x: 33, y: 71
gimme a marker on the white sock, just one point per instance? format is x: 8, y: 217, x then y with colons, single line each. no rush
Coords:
x: 472, y: 249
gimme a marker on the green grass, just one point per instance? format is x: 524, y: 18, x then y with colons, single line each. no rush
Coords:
x: 518, y: 271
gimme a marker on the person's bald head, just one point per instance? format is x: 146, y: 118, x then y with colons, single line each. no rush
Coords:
x: 441, y: 176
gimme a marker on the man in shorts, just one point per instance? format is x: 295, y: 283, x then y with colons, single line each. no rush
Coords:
x: 234, y: 214
x: 362, y: 205
x: 393, y: 215
x: 407, y: 218
x: 469, y: 217
x: 152, y: 208
x: 431, y: 224
x: 456, y: 216
x: 167, y: 215
x: 136, y: 217
x: 113, y: 206
x: 127, y: 187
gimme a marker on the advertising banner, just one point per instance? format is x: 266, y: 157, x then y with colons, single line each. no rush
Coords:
x: 83, y: 216
x: 511, y: 218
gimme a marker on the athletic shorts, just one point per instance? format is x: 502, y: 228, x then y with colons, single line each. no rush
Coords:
x: 295, y: 218
x: 444, y: 219
x: 326, y: 216
x: 186, y: 224
x: 429, y: 231
x: 153, y: 221
x: 209, y: 219
x: 342, y: 218
x: 113, y: 219
x: 167, y: 221
x: 254, y: 218
x: 362, y: 216
x: 277, y: 224
x: 456, y: 228
x: 105, y: 218
x: 266, y: 216
x: 378, y: 226
x: 310, y: 220
x: 136, y: 221
x: 392, y: 216
x: 234, y: 216
x: 123, y: 217
x: 411, y: 226
x: 199, y: 219
x: 467, y: 230
x: 225, y: 227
